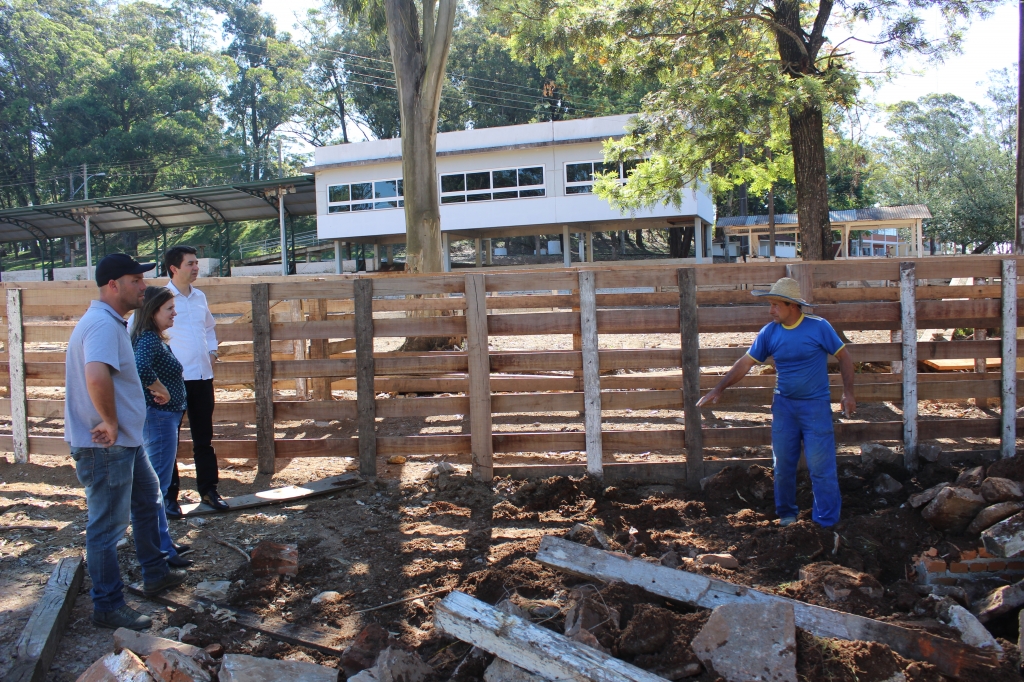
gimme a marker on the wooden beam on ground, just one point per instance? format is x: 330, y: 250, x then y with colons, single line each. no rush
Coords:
x: 950, y: 657
x: 479, y: 378
x: 323, y: 638
x: 366, y: 404
x: 908, y: 314
x: 289, y: 493
x: 591, y: 373
x: 38, y: 642
x: 1008, y: 432
x: 16, y: 364
x: 263, y: 382
x: 534, y: 648
x: 689, y: 343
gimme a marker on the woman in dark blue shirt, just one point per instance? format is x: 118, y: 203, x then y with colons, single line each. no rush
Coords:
x: 161, y: 374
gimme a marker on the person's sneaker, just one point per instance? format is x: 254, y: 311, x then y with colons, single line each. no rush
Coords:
x: 172, y: 579
x: 173, y: 509
x: 124, y: 617
x: 787, y: 521
x: 212, y: 498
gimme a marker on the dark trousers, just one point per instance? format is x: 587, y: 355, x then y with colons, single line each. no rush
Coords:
x: 200, y: 419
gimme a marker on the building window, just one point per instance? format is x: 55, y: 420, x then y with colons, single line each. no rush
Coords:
x: 579, y: 176
x: 492, y: 185
x: 365, y: 196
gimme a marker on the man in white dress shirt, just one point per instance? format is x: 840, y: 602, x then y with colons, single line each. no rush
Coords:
x: 194, y: 343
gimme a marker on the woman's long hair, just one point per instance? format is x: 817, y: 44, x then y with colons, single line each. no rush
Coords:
x: 153, y: 300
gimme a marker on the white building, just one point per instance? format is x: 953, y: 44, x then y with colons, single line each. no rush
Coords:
x: 495, y: 182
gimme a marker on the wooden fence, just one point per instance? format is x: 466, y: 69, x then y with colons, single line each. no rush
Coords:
x: 335, y: 319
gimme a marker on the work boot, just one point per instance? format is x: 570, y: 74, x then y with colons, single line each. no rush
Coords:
x: 124, y: 617
x: 212, y: 498
x: 173, y: 509
x: 172, y: 579
x: 787, y: 521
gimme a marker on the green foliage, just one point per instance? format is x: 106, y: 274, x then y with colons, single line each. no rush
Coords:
x: 946, y: 153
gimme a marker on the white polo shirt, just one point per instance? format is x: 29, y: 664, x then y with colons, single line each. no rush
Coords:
x: 192, y: 336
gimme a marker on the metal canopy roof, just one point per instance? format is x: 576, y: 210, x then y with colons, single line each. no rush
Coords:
x: 159, y: 210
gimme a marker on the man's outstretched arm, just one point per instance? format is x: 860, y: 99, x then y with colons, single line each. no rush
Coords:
x: 735, y: 373
x: 849, y: 403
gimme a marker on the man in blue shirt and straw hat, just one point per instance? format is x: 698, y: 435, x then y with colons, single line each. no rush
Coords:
x: 801, y: 408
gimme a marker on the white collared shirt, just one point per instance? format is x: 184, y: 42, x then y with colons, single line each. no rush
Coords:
x: 192, y: 336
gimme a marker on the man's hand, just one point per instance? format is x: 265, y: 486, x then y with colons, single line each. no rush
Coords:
x: 848, y: 404
x: 161, y: 396
x: 105, y: 434
x: 711, y: 397
x: 213, y: 356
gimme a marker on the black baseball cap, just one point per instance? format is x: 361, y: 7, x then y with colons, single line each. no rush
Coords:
x: 117, y: 265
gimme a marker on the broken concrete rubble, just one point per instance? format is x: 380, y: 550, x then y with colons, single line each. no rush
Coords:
x: 1006, y: 538
x: 929, y: 452
x: 395, y: 665
x: 993, y: 514
x: 121, y: 667
x: 750, y: 642
x: 999, y: 601
x: 953, y: 509
x: 171, y: 665
x: 242, y: 668
x: 995, y: 489
x: 272, y: 558
x: 886, y: 485
x: 363, y: 651
x: 876, y: 452
x: 328, y: 597
x: 970, y: 478
x: 143, y: 644
x: 972, y: 632
x: 214, y: 590
x: 723, y: 560
x: 925, y: 496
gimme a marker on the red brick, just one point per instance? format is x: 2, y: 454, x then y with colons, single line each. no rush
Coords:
x: 1015, y: 565
x: 968, y: 555
x: 985, y: 554
x: 170, y: 665
x: 978, y: 566
x: 996, y: 565
x: 932, y: 552
x: 958, y: 567
x: 934, y: 566
x: 271, y: 558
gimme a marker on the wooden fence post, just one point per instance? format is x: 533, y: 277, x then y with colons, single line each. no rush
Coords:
x: 298, y: 347
x: 263, y: 377
x: 804, y: 276
x: 591, y: 374
x: 16, y: 367
x: 366, y: 397
x: 908, y: 313
x: 479, y: 378
x: 1008, y: 432
x: 319, y: 349
x: 690, y: 348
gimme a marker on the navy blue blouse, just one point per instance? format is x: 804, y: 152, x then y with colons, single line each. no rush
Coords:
x: 155, y: 361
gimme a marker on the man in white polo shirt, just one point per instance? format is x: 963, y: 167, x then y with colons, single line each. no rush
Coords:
x: 194, y: 343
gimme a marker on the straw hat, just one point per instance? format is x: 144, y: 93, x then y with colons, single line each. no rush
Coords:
x: 787, y: 289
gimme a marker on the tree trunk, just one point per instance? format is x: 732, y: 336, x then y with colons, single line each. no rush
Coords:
x: 422, y: 212
x: 675, y: 242
x: 687, y: 241
x: 640, y: 239
x: 805, y: 130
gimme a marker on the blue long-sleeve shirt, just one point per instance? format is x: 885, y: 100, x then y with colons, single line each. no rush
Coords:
x: 154, y: 360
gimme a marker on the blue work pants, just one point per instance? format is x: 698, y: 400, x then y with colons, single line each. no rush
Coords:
x: 160, y: 441
x: 807, y: 422
x: 120, y: 485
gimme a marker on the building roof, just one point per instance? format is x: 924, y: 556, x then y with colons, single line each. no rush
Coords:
x: 159, y: 210
x: 862, y: 217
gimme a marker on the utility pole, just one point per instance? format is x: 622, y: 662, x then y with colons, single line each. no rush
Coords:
x: 1019, y: 204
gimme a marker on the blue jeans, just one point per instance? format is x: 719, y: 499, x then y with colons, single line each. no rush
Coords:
x: 160, y: 441
x: 120, y: 484
x: 809, y: 422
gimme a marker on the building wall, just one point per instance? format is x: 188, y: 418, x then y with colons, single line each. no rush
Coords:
x: 380, y: 160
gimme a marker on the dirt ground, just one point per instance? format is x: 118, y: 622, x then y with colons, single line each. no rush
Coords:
x: 407, y: 535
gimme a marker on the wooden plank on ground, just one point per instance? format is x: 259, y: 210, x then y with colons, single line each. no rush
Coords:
x: 689, y: 343
x: 1008, y: 405
x: 950, y: 657
x: 591, y: 372
x: 479, y: 377
x: 323, y: 638
x: 908, y: 314
x: 289, y: 493
x: 263, y: 387
x: 365, y: 395
x: 531, y: 647
x: 38, y: 642
x: 16, y: 369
